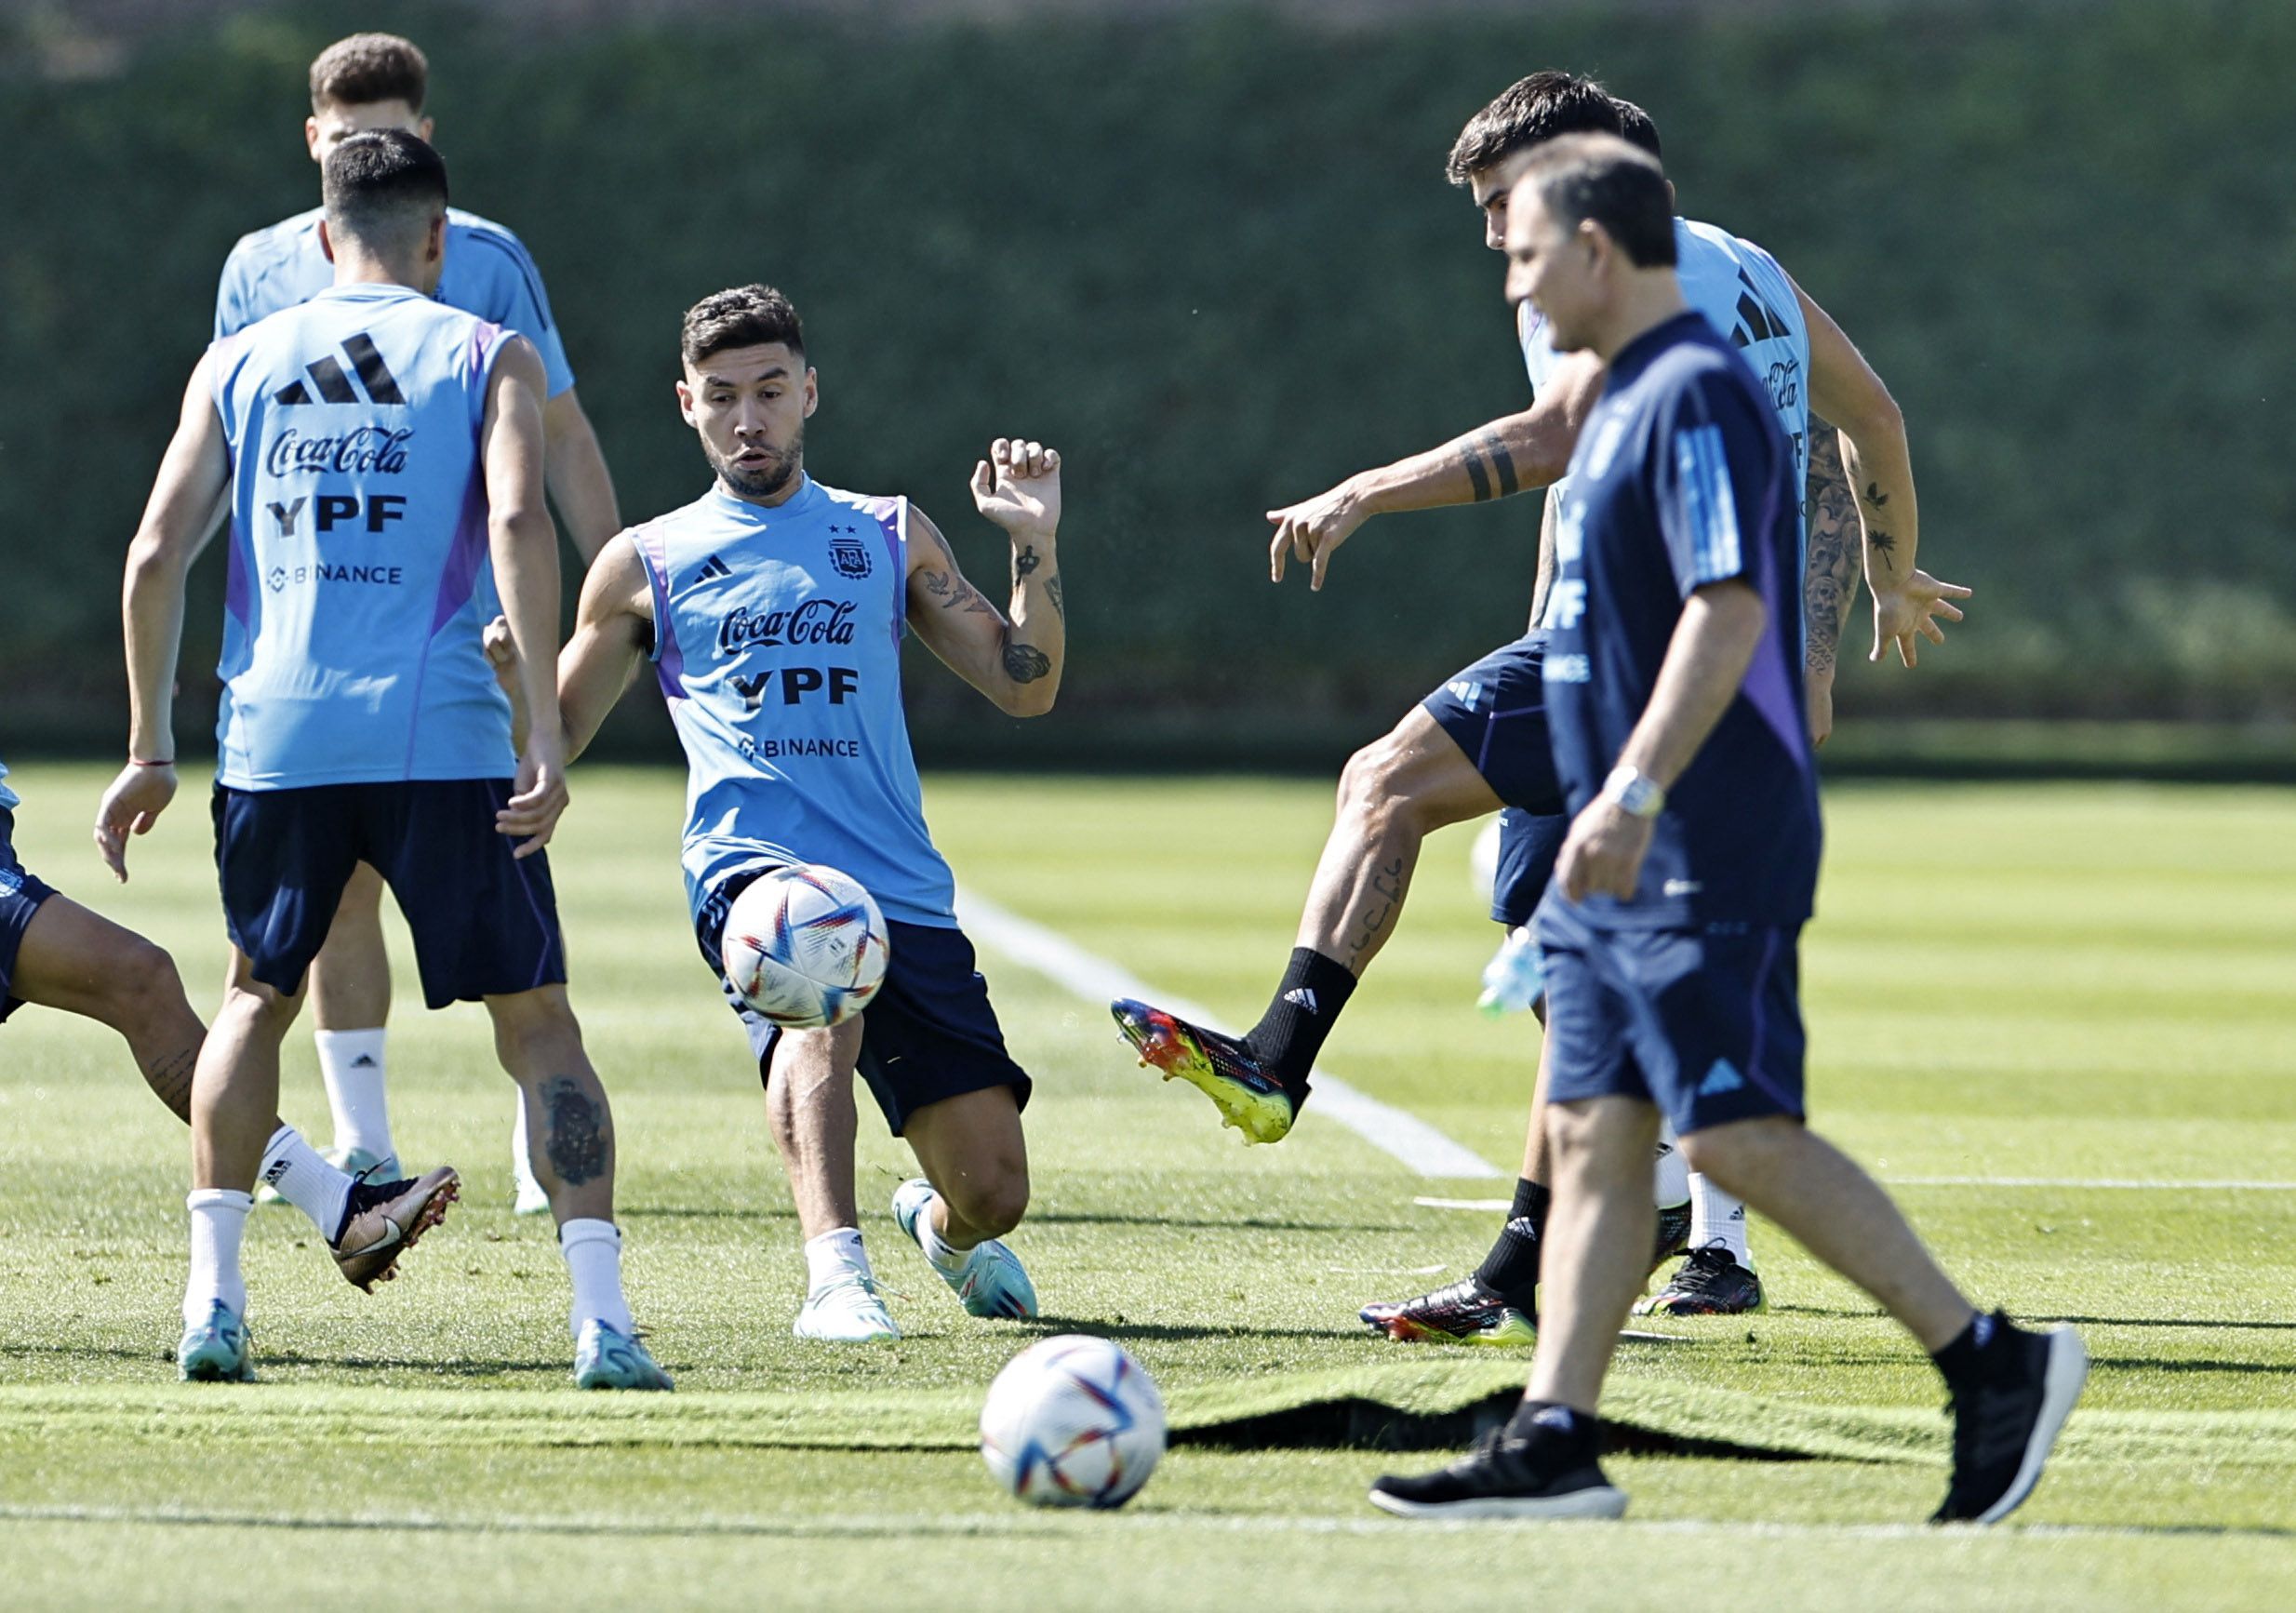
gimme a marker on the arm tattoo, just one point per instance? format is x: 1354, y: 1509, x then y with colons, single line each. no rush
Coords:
x: 575, y: 1137
x: 1874, y: 496
x: 1052, y: 592
x: 1026, y: 561
x: 1883, y: 543
x: 1490, y: 447
x: 954, y: 593
x: 1832, y: 579
x: 1024, y: 663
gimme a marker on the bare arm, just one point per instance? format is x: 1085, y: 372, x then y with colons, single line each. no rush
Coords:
x: 194, y: 475
x: 523, y: 546
x: 1513, y: 453
x: 1878, y: 465
x: 1832, y: 576
x: 579, y: 483
x: 1706, y: 659
x: 613, y: 635
x: 1017, y: 661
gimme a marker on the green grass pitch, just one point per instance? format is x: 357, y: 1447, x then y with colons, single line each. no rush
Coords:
x: 2042, y: 992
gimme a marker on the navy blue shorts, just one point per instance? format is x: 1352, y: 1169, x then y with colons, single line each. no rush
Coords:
x: 21, y: 896
x: 930, y: 1034
x: 1529, y: 844
x: 485, y: 923
x: 1705, y: 1024
x: 1495, y: 711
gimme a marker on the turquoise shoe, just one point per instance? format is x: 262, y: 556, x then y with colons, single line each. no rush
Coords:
x: 991, y: 1282
x: 605, y: 1359
x: 216, y: 1351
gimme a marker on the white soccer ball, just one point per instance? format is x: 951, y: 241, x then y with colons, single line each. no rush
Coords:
x: 805, y: 946
x: 1072, y: 1421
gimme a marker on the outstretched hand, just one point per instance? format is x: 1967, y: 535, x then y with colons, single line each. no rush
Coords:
x: 1019, y: 487
x: 130, y: 806
x: 1310, y: 530
x: 1908, y: 614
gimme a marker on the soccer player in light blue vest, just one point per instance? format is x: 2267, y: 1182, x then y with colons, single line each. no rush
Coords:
x: 773, y: 611
x: 372, y: 81
x: 379, y: 449
x: 1477, y: 743
x: 1671, y: 929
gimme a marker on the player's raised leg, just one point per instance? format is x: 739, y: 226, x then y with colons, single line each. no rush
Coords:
x: 808, y: 1078
x: 1393, y: 794
x: 974, y: 1191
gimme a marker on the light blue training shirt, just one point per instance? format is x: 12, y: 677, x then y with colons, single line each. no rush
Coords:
x: 358, y: 533
x: 777, y: 641
x: 488, y: 271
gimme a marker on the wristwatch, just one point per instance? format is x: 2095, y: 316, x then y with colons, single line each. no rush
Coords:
x: 1636, y: 794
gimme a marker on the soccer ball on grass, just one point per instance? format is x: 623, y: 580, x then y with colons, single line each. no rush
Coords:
x: 1072, y: 1421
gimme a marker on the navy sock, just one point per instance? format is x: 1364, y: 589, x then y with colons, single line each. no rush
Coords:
x: 1569, y: 1433
x: 1307, y: 1001
x: 1511, y: 1270
x: 1963, y: 1361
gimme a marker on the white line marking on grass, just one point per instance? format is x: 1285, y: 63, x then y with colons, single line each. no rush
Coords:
x: 1390, y: 1130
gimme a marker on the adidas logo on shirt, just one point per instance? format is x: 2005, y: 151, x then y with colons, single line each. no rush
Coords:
x: 713, y: 566
x: 1303, y: 997
x: 1720, y: 1079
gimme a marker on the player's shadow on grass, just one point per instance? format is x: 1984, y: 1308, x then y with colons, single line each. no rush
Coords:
x: 1230, y: 1224
x: 1176, y: 1332
x: 1848, y: 1314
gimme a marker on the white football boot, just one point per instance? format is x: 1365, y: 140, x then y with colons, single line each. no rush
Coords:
x: 846, y: 1310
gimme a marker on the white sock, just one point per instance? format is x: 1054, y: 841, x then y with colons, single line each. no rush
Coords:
x: 521, y: 1162
x: 1671, y: 1186
x: 1717, y: 1218
x: 219, y: 1217
x: 832, y: 1254
x: 592, y: 1251
x: 937, y: 1249
x: 351, y: 1064
x: 297, y: 1174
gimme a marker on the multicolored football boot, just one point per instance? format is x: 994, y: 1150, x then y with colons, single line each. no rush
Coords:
x: 1461, y: 1312
x: 1220, y: 1066
x: 1711, y: 1283
x: 1673, y: 1232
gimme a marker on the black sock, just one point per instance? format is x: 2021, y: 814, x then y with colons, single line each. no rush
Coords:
x: 1571, y: 1432
x: 1963, y: 1360
x: 1300, y: 1016
x: 1511, y: 1270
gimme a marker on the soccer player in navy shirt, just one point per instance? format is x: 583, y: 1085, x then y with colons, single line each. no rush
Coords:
x: 1669, y: 932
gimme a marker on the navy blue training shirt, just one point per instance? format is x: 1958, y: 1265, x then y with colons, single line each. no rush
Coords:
x: 1682, y: 478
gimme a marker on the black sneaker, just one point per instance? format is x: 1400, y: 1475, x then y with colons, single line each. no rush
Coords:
x: 1505, y: 1476
x: 1461, y: 1312
x: 1711, y: 1283
x: 2006, y: 1419
x: 1673, y: 1232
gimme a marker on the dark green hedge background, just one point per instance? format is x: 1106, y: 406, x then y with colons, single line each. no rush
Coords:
x: 1211, y: 256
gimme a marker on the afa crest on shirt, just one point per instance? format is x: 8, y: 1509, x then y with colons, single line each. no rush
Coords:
x: 848, y: 554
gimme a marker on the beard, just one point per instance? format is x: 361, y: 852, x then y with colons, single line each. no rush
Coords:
x: 762, y: 481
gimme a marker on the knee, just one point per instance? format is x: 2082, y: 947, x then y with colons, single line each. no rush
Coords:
x: 534, y: 1029
x: 1370, y: 784
x: 1728, y: 1154
x: 142, y: 984
x: 993, y: 1204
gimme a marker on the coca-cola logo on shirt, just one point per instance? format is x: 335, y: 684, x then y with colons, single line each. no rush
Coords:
x: 814, y: 622
x: 360, y: 449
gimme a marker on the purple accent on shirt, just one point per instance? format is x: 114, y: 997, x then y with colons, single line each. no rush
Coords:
x: 485, y: 344
x: 888, y: 513
x: 238, y: 586
x: 669, y: 656
x: 458, y: 579
x: 1767, y: 685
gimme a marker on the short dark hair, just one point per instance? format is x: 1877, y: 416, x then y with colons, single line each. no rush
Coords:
x: 1636, y: 127
x: 381, y: 186
x: 1602, y: 178
x: 1531, y: 110
x: 366, y: 68
x: 742, y: 316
